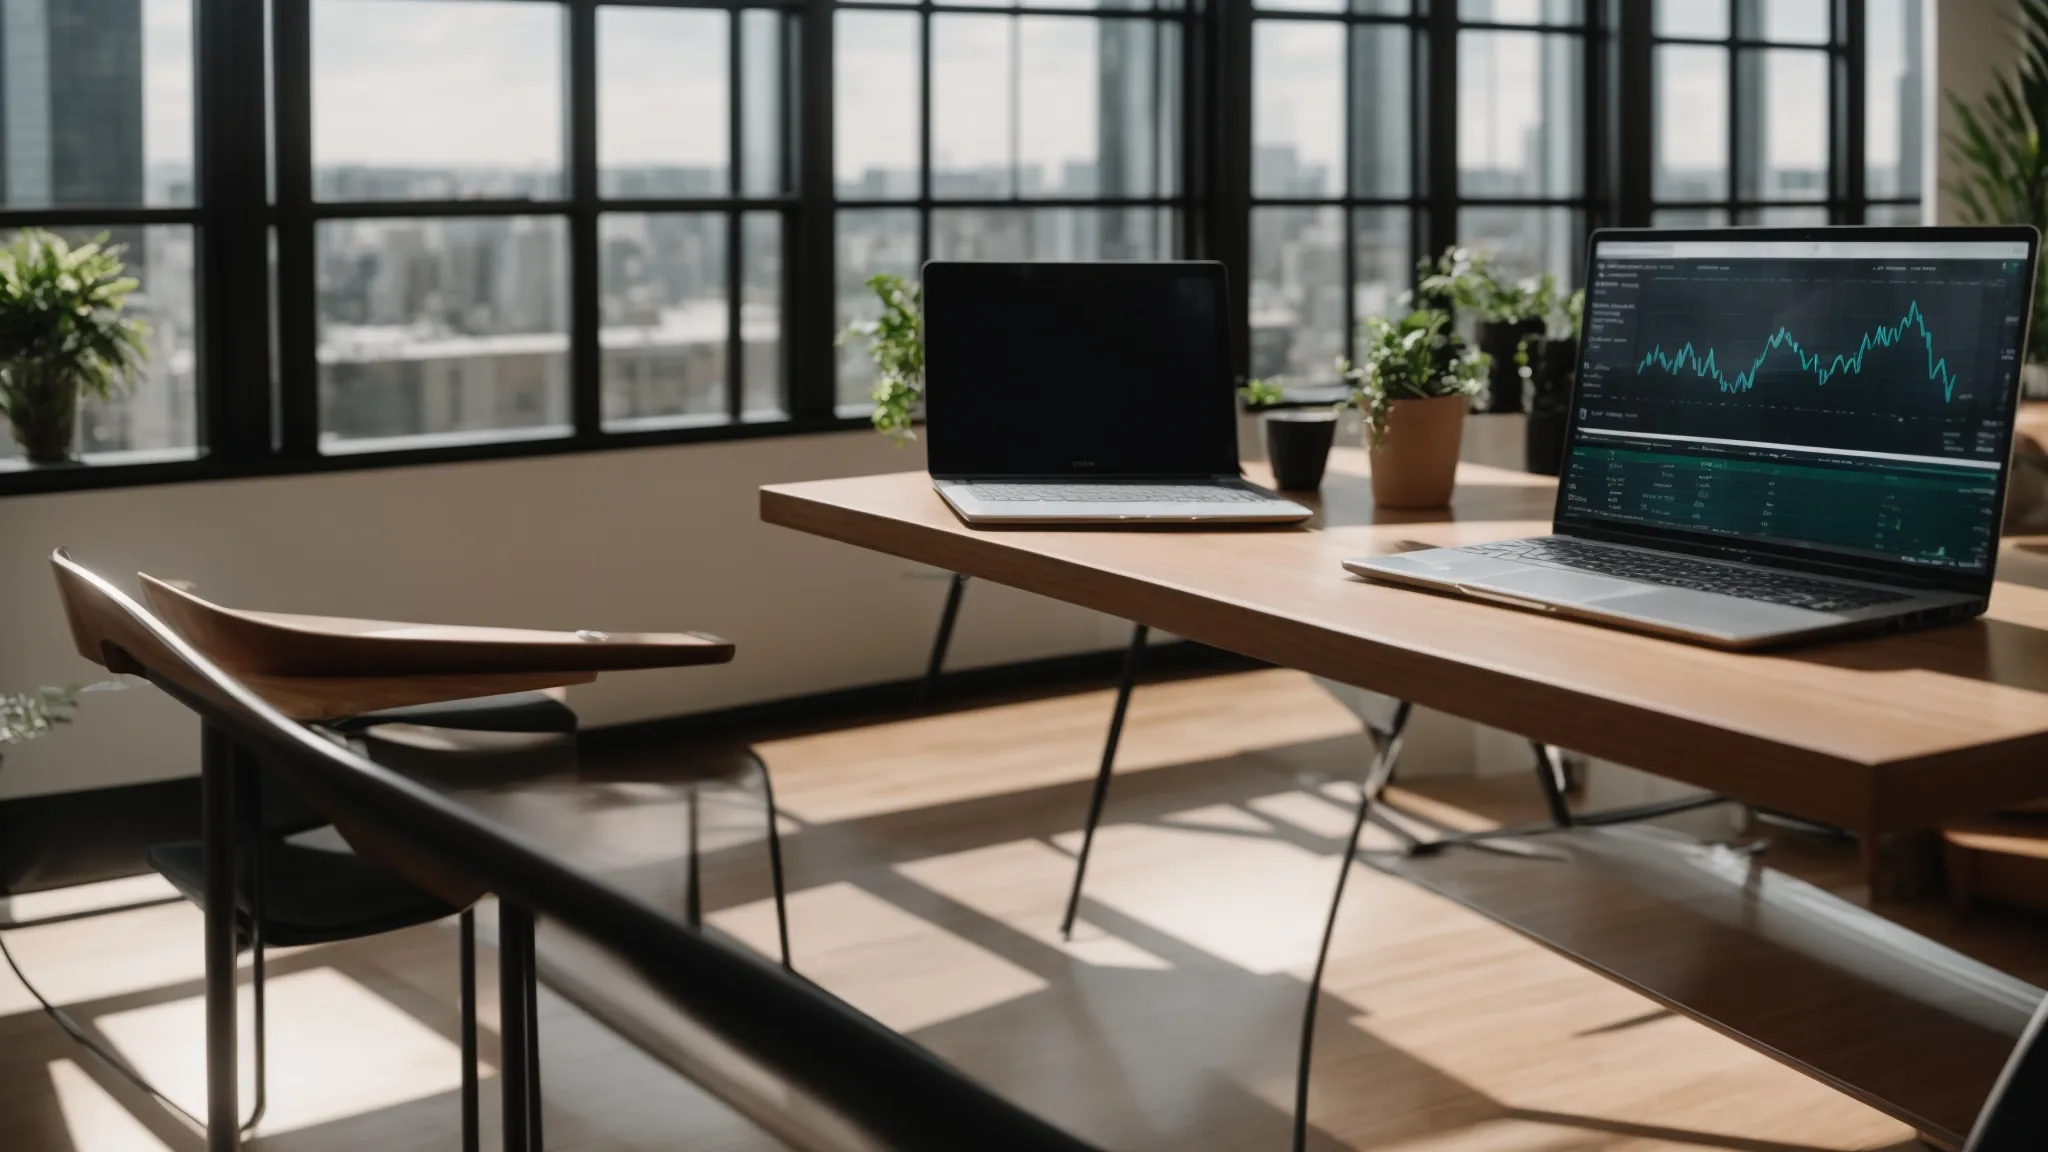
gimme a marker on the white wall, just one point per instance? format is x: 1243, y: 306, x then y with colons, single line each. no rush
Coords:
x: 649, y: 539
x: 1972, y: 41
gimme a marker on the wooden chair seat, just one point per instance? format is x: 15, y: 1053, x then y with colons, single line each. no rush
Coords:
x: 2003, y: 859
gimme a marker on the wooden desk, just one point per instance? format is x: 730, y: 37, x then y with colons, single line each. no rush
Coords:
x: 1878, y: 735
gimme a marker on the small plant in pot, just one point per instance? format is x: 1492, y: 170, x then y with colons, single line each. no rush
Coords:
x: 1507, y: 314
x: 62, y: 337
x: 895, y: 341
x: 1297, y: 439
x: 27, y: 715
x: 1551, y: 364
x: 1414, y: 382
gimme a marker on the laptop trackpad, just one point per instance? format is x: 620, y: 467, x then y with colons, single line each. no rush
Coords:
x: 1713, y: 614
x: 1557, y: 585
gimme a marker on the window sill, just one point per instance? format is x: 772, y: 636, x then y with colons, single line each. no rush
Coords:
x: 136, y: 469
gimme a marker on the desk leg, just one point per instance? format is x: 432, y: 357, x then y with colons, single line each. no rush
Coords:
x: 515, y: 927
x: 1388, y: 751
x: 218, y: 830
x: 1134, y: 656
x: 942, y: 641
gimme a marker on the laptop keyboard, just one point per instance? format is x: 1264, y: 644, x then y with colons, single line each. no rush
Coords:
x: 1115, y: 494
x: 1698, y: 575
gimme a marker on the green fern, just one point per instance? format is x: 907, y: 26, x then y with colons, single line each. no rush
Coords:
x: 1996, y: 148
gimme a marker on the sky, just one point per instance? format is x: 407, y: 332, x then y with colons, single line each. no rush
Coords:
x: 404, y: 82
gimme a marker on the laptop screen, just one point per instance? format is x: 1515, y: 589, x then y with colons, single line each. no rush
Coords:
x: 1101, y: 369
x: 1844, y: 393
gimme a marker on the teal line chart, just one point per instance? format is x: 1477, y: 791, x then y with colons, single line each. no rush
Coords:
x: 1824, y: 368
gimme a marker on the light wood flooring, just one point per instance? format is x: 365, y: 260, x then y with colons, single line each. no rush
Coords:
x: 929, y: 858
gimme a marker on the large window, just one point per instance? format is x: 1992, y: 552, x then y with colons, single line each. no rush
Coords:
x: 374, y: 231
x: 1756, y: 107
x: 972, y: 135
x: 1382, y: 133
x: 96, y: 136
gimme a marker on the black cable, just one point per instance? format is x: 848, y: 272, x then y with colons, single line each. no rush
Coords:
x: 72, y: 1029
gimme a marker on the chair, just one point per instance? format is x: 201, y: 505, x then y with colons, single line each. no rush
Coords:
x: 882, y: 1085
x: 291, y: 892
x: 2015, y: 1117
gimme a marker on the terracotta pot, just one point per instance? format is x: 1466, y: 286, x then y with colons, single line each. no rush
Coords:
x: 1416, y: 465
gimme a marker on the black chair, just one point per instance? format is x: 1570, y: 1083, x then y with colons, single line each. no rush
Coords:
x: 323, y: 893
x: 2015, y: 1117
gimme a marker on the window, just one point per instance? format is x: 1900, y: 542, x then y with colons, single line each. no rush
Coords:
x: 1361, y: 167
x: 1030, y: 135
x: 493, y: 227
x: 96, y: 137
x: 1754, y: 104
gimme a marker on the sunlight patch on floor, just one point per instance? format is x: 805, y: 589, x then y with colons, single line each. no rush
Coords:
x: 95, y: 1121
x: 337, y: 1049
x: 897, y: 967
x: 1023, y: 884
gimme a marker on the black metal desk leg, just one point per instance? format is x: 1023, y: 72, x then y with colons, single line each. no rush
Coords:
x: 942, y: 641
x: 1388, y: 751
x: 515, y: 926
x: 1550, y: 774
x: 469, y: 1085
x: 1134, y: 656
x: 534, y: 1107
x: 218, y: 832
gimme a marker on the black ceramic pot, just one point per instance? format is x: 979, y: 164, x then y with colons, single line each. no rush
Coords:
x: 1500, y: 341
x: 1552, y: 364
x: 1298, y: 446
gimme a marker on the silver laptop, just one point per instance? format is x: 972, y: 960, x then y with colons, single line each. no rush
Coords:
x: 1085, y: 394
x: 1778, y: 434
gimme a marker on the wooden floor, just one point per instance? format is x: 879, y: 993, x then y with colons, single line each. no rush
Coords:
x: 929, y: 859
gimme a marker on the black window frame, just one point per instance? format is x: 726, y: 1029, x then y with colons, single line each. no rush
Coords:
x: 254, y: 423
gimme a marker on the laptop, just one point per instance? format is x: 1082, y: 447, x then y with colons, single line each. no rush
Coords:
x: 1777, y: 435
x: 1095, y: 393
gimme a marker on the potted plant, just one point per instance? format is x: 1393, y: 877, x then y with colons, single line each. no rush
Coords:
x: 62, y: 335
x: 1998, y: 150
x: 1297, y: 439
x: 27, y: 715
x: 1507, y: 314
x: 1413, y: 385
x: 895, y: 342
x: 1551, y: 364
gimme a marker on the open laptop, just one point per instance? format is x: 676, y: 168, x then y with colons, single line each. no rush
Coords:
x: 1777, y: 434
x: 1085, y: 394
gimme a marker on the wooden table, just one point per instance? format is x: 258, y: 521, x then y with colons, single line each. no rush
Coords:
x: 1878, y: 735
x: 1881, y: 736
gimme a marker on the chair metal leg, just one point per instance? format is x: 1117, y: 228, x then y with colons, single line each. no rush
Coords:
x: 693, y: 886
x: 942, y: 641
x: 1388, y: 751
x: 533, y: 1092
x: 1134, y: 657
x: 1550, y: 774
x: 249, y: 785
x: 775, y: 865
x: 470, y: 1110
x: 218, y: 835
x: 515, y: 926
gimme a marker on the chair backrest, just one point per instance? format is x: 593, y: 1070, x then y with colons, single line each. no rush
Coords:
x: 2015, y: 1118
x: 881, y: 1084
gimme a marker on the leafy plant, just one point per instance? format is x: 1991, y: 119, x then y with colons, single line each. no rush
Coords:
x: 62, y: 335
x: 1467, y: 279
x: 1262, y: 393
x: 1997, y: 147
x: 1416, y: 357
x: 27, y: 715
x: 896, y: 344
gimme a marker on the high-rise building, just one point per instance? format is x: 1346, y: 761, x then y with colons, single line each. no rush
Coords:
x: 71, y: 103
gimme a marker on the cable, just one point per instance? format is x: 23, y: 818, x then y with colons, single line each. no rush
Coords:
x: 72, y: 1028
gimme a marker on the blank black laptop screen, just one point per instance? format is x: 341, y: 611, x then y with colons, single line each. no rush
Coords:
x: 1077, y: 370
x: 1851, y: 393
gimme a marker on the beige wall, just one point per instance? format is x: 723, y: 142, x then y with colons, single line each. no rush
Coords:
x: 1971, y: 41
x: 655, y: 538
